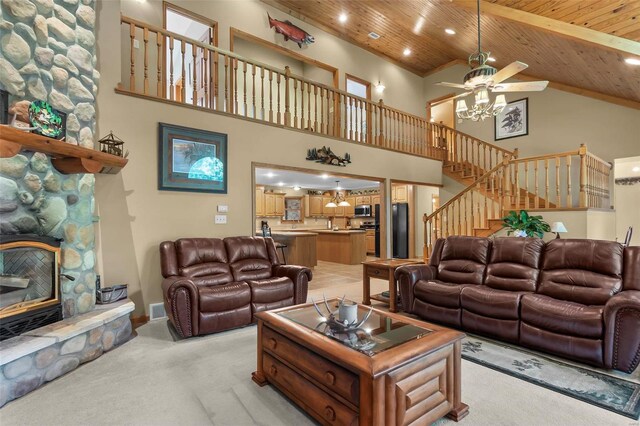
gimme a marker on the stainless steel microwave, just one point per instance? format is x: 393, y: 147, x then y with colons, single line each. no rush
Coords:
x: 363, y: 210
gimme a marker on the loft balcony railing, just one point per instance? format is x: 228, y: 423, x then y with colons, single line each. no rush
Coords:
x: 166, y: 66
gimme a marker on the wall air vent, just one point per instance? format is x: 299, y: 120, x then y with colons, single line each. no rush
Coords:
x: 156, y: 311
x: 374, y: 36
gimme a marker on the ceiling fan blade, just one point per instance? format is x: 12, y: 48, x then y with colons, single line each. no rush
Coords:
x: 461, y: 95
x: 526, y: 86
x: 508, y: 71
x: 456, y: 85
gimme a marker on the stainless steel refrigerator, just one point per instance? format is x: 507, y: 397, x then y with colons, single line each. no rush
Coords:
x: 400, y: 226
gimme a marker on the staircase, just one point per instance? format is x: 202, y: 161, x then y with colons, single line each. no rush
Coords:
x: 497, y: 181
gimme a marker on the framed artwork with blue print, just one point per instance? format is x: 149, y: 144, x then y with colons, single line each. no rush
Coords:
x: 192, y: 160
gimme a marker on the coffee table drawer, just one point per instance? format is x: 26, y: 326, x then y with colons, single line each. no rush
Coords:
x: 320, y: 404
x: 326, y: 373
x: 373, y: 272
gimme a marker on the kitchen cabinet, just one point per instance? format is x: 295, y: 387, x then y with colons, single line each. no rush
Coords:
x: 259, y: 202
x: 327, y: 211
x: 279, y: 200
x: 363, y: 199
x: 315, y: 205
x: 293, y: 209
x: 351, y: 210
x: 273, y: 204
x: 370, y: 240
x: 399, y: 194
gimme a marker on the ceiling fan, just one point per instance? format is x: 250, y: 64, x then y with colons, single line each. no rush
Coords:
x: 483, y: 79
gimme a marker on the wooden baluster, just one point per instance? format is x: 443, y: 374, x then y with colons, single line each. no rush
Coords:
x: 536, y: 201
x: 253, y: 89
x: 558, y: 197
x: 160, y: 77
x: 583, y: 175
x: 262, y: 93
x: 227, y: 99
x: 171, y: 87
x: 327, y: 127
x: 183, y: 76
x: 206, y: 75
x: 315, y: 108
x: 546, y: 182
x: 287, y: 97
x: 271, y: 97
x: 236, y: 109
x: 304, y: 87
x: 380, y: 108
x: 215, y: 81
x: 244, y: 88
x: 526, y: 185
x: 278, y: 91
x: 309, y: 123
x: 516, y: 186
x: 295, y: 103
x: 321, y: 111
x: 132, y: 77
x: 194, y: 94
x: 569, y: 200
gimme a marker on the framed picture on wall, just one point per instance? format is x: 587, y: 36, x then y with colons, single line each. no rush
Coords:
x: 513, y: 121
x: 191, y: 160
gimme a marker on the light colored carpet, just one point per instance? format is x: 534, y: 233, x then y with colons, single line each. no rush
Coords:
x: 153, y: 380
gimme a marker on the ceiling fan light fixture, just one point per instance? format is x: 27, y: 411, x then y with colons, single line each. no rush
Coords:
x: 500, y: 102
x: 461, y: 106
x: 482, y: 97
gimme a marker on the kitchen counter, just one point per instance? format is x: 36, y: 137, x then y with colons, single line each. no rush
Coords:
x: 346, y: 246
x: 301, y: 247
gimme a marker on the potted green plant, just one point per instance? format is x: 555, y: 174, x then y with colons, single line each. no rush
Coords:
x: 525, y: 225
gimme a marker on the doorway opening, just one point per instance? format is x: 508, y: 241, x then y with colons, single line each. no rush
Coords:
x: 191, y: 77
x: 410, y: 201
x: 442, y: 110
x: 357, y: 114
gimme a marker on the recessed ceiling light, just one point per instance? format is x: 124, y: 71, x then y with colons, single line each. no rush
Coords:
x: 270, y: 175
x: 406, y: 52
x: 636, y: 169
x: 491, y: 59
x: 632, y: 61
x: 325, y: 176
x: 296, y: 188
x: 342, y: 18
x: 418, y: 26
x: 280, y: 183
x: 449, y: 31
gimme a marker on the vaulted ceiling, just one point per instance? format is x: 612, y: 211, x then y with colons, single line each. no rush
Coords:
x: 579, y: 45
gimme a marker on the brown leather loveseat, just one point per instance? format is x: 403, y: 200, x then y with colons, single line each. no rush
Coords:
x: 213, y: 284
x: 575, y: 298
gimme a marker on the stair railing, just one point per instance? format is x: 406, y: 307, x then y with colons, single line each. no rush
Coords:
x: 544, y: 182
x: 167, y: 66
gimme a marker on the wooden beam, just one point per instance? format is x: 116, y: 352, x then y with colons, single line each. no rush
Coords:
x: 584, y: 92
x: 554, y: 26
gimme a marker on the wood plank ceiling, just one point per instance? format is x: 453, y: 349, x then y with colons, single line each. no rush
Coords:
x: 419, y: 25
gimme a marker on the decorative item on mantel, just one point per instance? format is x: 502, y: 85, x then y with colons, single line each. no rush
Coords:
x: 324, y: 155
x: 111, y: 144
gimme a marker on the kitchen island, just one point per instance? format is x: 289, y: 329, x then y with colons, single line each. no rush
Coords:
x: 301, y: 247
x: 345, y: 246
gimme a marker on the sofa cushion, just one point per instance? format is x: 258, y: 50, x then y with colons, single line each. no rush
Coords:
x: 226, y: 297
x: 562, y: 317
x: 193, y: 251
x: 271, y: 289
x: 514, y: 263
x: 439, y: 293
x: 208, y: 273
x: 463, y: 260
x: 491, y: 303
x: 581, y: 271
x: 251, y: 258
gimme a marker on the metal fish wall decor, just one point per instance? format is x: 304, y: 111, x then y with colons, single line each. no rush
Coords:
x: 290, y: 31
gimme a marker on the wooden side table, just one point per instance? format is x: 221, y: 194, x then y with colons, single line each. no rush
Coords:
x: 383, y: 269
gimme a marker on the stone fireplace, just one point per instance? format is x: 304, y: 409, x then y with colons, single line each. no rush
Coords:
x: 29, y: 283
x: 48, y: 52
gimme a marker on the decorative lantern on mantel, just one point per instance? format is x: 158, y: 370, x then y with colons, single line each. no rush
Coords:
x: 111, y: 144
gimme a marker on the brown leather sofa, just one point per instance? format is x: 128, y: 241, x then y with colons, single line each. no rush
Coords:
x: 213, y: 284
x: 575, y: 298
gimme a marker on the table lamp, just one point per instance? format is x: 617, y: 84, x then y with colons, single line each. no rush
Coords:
x: 558, y: 227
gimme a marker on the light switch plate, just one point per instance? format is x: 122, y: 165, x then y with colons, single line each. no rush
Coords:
x: 221, y: 219
x: 223, y: 208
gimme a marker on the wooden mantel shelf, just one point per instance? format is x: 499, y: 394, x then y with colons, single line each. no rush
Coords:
x: 67, y: 158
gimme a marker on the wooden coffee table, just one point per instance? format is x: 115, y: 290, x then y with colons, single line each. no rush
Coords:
x: 383, y: 269
x: 397, y: 370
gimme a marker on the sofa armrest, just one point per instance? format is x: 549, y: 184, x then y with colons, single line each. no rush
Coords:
x: 300, y: 275
x: 622, y: 335
x: 181, y: 300
x: 407, y: 277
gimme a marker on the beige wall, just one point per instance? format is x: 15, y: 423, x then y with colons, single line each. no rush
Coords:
x: 135, y: 216
x: 627, y: 200
x: 423, y: 205
x: 558, y: 121
x: 250, y: 16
